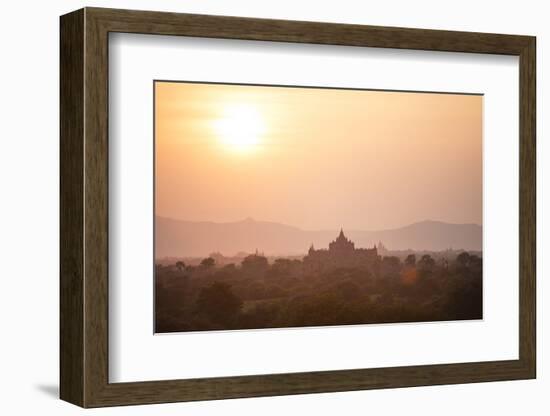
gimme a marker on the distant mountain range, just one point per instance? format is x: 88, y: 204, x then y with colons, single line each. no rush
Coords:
x: 177, y: 238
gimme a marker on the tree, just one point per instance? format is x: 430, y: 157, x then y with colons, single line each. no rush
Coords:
x: 348, y: 290
x: 463, y: 259
x: 255, y: 265
x: 476, y: 263
x: 284, y: 268
x: 208, y: 262
x: 218, y: 303
x: 425, y: 266
x: 410, y: 260
x: 390, y: 266
x: 465, y: 300
x: 426, y: 262
x: 180, y: 265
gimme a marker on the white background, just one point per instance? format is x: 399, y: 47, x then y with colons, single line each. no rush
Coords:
x: 136, y: 355
x: 29, y: 218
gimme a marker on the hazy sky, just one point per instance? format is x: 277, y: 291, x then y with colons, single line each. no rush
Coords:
x: 317, y: 158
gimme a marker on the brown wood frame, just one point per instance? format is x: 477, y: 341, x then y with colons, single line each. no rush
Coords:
x: 84, y: 207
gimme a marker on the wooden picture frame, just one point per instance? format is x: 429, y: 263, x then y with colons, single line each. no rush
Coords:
x: 84, y: 207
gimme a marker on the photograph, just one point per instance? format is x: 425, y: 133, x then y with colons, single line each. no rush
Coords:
x: 281, y: 206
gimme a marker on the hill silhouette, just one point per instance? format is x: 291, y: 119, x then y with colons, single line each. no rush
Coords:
x: 189, y: 238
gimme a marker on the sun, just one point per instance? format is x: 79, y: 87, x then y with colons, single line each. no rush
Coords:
x: 240, y: 127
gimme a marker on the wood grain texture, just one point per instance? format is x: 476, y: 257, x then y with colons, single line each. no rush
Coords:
x: 527, y: 207
x: 71, y: 202
x: 162, y: 23
x: 84, y: 207
x: 96, y: 228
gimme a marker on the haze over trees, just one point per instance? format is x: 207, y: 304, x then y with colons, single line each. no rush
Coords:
x: 174, y: 237
x: 284, y: 292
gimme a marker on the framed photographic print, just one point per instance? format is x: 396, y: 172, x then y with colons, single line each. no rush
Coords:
x: 255, y: 207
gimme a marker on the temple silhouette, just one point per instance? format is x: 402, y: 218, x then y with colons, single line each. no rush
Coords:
x: 341, y: 253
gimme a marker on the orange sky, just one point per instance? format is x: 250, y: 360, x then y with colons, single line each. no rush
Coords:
x: 317, y: 158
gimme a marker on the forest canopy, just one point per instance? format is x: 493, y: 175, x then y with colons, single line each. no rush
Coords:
x: 286, y: 292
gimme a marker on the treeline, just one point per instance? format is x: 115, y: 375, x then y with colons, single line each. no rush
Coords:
x: 256, y: 294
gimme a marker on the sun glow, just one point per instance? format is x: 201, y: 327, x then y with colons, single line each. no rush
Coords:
x: 240, y: 127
